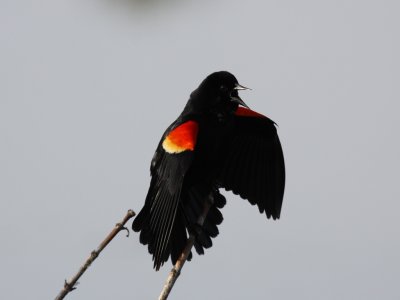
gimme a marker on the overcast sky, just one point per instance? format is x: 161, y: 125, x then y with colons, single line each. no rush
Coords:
x: 88, y: 87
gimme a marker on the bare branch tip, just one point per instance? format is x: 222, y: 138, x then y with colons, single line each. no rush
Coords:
x: 70, y: 286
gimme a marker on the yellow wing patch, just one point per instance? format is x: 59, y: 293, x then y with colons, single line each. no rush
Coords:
x: 182, y: 138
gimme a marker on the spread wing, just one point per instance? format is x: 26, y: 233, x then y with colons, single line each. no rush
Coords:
x: 170, y: 163
x: 253, y: 162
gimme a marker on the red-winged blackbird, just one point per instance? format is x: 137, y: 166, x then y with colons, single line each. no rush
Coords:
x: 216, y: 142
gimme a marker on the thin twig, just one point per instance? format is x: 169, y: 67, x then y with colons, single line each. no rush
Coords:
x: 70, y: 285
x: 176, y: 270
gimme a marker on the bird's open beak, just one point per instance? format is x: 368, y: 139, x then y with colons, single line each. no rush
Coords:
x: 239, y: 87
x: 237, y: 99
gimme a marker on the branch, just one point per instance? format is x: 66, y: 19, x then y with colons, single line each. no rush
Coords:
x: 70, y: 285
x: 176, y: 270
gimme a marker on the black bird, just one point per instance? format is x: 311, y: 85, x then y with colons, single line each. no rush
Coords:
x: 216, y: 142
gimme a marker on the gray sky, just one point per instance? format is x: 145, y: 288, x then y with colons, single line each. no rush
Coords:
x: 88, y: 87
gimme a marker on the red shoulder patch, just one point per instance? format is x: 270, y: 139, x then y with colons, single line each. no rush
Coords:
x: 181, y: 138
x: 245, y: 112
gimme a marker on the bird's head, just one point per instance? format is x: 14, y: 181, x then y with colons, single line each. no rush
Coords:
x: 219, y: 89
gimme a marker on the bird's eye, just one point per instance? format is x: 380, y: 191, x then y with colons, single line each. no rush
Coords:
x: 223, y: 88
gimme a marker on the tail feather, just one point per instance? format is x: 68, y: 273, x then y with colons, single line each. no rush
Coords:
x: 209, y: 229
x: 188, y: 213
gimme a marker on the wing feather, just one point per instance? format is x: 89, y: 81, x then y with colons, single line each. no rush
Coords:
x: 254, y: 166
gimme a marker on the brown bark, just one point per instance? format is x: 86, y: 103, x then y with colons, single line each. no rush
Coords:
x: 70, y: 285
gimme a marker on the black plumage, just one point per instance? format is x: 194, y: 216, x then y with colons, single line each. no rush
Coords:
x: 215, y: 143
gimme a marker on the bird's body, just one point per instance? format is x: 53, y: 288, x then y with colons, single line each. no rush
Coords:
x: 214, y: 143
